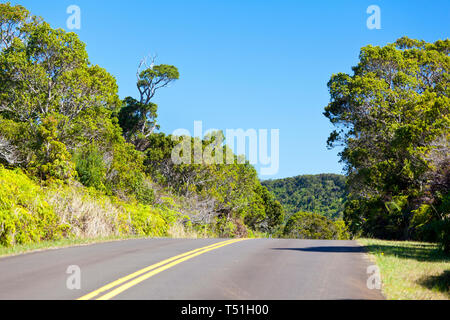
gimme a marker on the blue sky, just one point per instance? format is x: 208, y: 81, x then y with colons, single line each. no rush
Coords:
x: 246, y: 63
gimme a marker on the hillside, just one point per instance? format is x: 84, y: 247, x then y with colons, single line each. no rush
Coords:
x: 78, y: 161
x: 324, y: 194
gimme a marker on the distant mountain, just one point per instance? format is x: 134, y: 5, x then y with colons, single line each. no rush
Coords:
x: 324, y: 194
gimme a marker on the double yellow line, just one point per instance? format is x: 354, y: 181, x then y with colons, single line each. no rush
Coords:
x: 137, y: 277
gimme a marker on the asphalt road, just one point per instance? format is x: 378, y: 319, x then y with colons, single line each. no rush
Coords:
x: 254, y: 269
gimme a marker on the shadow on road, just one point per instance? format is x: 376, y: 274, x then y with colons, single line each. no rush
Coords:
x: 326, y: 249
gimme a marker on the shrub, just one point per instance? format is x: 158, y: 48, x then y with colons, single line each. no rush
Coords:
x: 225, y: 227
x: 342, y: 230
x: 29, y: 213
x: 51, y: 160
x: 444, y: 208
x: 432, y: 223
x: 146, y: 221
x: 25, y: 216
x: 445, y: 236
x: 306, y: 225
x: 145, y: 194
x: 90, y: 168
x: 90, y: 213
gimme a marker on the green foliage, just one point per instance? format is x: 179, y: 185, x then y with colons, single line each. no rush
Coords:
x: 145, y: 194
x: 51, y: 160
x: 306, y: 225
x: 156, y: 77
x: 429, y: 225
x: 90, y: 167
x: 146, y: 221
x: 324, y: 194
x: 45, y: 71
x: 225, y: 228
x: 55, y: 103
x: 138, y: 121
x: 231, y: 192
x: 274, y: 212
x: 62, y: 120
x: 444, y: 236
x: 30, y: 214
x: 138, y: 118
x: 25, y: 216
x: 342, y: 230
x: 392, y: 117
x: 125, y: 176
x: 375, y: 218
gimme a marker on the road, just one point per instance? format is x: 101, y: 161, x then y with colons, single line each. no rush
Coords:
x: 252, y: 269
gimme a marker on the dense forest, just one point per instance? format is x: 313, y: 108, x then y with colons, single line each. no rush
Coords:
x: 324, y: 194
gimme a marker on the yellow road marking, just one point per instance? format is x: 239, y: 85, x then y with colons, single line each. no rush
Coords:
x: 186, y: 255
x: 134, y: 282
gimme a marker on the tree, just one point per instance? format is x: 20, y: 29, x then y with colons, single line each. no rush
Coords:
x: 90, y: 167
x: 224, y: 194
x: 51, y: 159
x: 274, y: 212
x: 45, y: 72
x: 54, y: 104
x: 392, y: 115
x: 13, y: 20
x: 307, y: 225
x: 61, y: 120
x: 138, y: 117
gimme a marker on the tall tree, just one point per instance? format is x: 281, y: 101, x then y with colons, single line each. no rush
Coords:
x: 138, y: 117
x: 55, y: 104
x: 45, y: 72
x: 392, y: 115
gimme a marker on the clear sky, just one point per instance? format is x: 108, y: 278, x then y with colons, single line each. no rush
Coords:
x: 245, y: 63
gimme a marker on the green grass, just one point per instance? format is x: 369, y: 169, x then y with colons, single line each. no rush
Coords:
x: 411, y: 270
x: 46, y: 245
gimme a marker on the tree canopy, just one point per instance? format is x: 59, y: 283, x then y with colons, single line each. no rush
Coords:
x: 324, y: 194
x: 392, y: 118
x: 138, y: 117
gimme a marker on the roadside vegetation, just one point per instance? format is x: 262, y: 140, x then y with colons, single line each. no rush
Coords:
x: 57, y: 244
x: 392, y: 118
x: 31, y: 213
x: 411, y: 270
x: 78, y: 162
x: 307, y: 225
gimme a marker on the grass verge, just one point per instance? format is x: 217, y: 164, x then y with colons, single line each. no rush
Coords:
x: 411, y: 270
x: 56, y: 244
